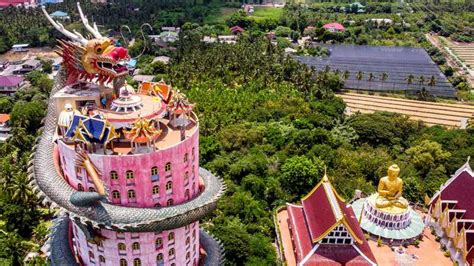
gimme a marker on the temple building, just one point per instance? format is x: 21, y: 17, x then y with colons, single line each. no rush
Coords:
x: 127, y: 180
x: 451, y: 214
x: 322, y: 230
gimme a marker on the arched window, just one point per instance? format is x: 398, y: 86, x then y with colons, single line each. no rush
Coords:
x: 159, y: 242
x: 193, y: 153
x: 188, y: 255
x: 123, y: 262
x: 171, y: 236
x: 102, y: 259
x: 115, y: 194
x: 113, y: 175
x: 136, y: 246
x: 188, y: 241
x: 186, y: 157
x: 169, y: 186
x: 154, y: 174
x: 154, y: 170
x: 156, y: 190
x: 137, y: 262
x: 171, y: 252
x: 186, y: 178
x: 173, y: 264
x: 168, y: 167
x: 157, y: 205
x: 169, y: 202
x: 194, y: 234
x: 159, y: 257
x: 131, y: 194
x: 91, y: 255
x: 91, y: 189
x: 80, y: 187
x: 129, y: 174
x: 121, y: 246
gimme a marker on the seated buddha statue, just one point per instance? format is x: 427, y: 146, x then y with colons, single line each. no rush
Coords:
x: 390, y: 190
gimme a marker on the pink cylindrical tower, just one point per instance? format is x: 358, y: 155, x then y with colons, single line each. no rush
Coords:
x: 122, y: 165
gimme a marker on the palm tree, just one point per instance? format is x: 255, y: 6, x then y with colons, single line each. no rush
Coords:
x: 21, y: 191
x: 370, y: 79
x: 409, y: 80
x: 421, y: 80
x: 383, y: 78
x: 359, y: 77
x: 346, y: 75
x: 432, y: 82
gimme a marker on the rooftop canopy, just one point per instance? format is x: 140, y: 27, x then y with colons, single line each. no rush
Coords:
x: 59, y: 14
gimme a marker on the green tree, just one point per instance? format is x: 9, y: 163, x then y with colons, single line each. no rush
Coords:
x: 299, y: 174
x: 27, y: 115
x: 427, y: 155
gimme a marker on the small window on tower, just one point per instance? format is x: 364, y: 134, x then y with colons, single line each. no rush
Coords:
x: 168, y: 167
x: 115, y: 194
x: 113, y: 175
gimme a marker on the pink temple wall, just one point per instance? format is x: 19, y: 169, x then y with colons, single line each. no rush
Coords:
x: 185, y: 253
x: 141, y: 165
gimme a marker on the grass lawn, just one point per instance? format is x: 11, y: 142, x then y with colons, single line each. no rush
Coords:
x: 219, y: 18
x: 267, y: 12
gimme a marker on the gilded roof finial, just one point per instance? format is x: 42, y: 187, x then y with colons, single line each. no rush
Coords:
x: 325, y: 177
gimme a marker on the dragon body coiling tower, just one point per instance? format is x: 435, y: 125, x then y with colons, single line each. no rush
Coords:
x: 122, y: 166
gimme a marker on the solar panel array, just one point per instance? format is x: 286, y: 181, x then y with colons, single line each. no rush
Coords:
x: 396, y: 61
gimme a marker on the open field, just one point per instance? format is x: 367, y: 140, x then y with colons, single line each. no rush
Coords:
x: 44, y: 52
x: 220, y: 17
x: 465, y: 52
x: 263, y: 12
x: 449, y: 115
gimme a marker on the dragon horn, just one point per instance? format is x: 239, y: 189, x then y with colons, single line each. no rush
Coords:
x: 91, y: 29
x: 63, y: 30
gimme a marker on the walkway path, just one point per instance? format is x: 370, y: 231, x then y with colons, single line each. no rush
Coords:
x: 282, y: 217
x: 450, y: 115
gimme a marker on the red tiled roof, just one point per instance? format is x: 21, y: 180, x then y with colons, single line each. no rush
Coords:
x: 236, y: 29
x: 460, y: 189
x: 322, y: 210
x: 4, y: 118
x: 299, y: 230
x: 334, y: 25
x: 10, y: 81
x: 13, y: 3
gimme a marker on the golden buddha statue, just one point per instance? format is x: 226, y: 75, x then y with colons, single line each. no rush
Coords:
x: 390, y: 190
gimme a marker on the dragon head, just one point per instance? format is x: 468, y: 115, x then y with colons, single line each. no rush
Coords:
x: 104, y: 58
x: 94, y: 58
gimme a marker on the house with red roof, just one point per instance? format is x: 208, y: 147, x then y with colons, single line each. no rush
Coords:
x: 10, y: 84
x: 322, y: 230
x: 334, y: 27
x: 7, y: 3
x: 236, y: 30
x: 452, y: 215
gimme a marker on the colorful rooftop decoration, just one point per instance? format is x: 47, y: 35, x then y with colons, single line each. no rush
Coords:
x: 91, y: 129
x: 160, y: 89
x: 325, y: 230
x: 143, y: 131
x: 452, y: 214
x: 179, y: 103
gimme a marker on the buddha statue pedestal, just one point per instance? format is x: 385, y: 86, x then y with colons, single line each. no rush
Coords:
x: 386, y: 214
x: 390, y: 217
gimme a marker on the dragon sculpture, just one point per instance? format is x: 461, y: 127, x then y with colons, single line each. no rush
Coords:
x: 98, y: 59
x: 89, y: 59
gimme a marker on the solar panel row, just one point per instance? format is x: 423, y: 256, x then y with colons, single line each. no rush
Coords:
x: 407, y: 69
